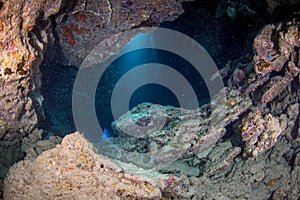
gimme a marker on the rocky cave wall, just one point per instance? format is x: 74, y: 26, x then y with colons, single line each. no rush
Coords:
x: 20, y: 78
x: 26, y: 30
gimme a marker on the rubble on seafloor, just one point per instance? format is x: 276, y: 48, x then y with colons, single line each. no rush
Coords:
x: 74, y: 170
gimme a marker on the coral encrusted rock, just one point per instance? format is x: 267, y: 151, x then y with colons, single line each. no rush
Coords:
x: 73, y: 170
x: 21, y: 52
x: 91, y: 22
x: 155, y: 136
x: 276, y: 52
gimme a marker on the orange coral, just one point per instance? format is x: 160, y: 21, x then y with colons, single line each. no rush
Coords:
x: 229, y: 102
x: 262, y: 65
x: 69, y: 32
x: 1, y: 25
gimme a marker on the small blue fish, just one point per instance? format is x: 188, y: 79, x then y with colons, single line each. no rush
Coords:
x: 106, y: 135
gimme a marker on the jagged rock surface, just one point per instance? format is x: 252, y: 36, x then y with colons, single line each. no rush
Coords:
x: 155, y: 136
x: 73, y: 170
x: 91, y: 22
x: 21, y: 51
x: 68, y: 169
x: 25, y: 33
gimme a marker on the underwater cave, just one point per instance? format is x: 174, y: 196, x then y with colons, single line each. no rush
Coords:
x: 167, y: 99
x: 225, y: 39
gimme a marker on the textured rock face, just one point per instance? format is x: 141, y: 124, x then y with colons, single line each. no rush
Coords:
x: 25, y: 32
x: 271, y: 81
x: 277, y: 50
x: 21, y: 47
x: 74, y: 170
x: 154, y: 136
x: 261, y: 133
x: 90, y: 22
x: 273, y: 87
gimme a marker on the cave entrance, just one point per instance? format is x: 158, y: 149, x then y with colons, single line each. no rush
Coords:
x: 224, y: 38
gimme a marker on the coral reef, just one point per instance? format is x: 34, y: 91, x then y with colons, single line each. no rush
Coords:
x: 90, y: 22
x: 261, y: 133
x: 74, y: 170
x: 272, y: 87
x: 25, y: 33
x: 271, y: 80
x: 247, y: 179
x: 277, y: 50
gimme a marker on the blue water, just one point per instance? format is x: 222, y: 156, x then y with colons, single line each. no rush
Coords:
x: 153, y: 93
x: 106, y: 135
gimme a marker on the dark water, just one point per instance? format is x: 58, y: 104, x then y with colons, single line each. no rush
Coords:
x: 57, y: 89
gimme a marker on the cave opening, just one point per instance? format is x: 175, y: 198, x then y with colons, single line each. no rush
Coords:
x: 153, y: 146
x: 224, y: 38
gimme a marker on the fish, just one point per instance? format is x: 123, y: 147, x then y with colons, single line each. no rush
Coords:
x: 106, y: 135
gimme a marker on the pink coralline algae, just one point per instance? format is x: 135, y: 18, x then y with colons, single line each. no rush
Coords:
x: 276, y: 65
x: 261, y: 133
x: 276, y: 50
